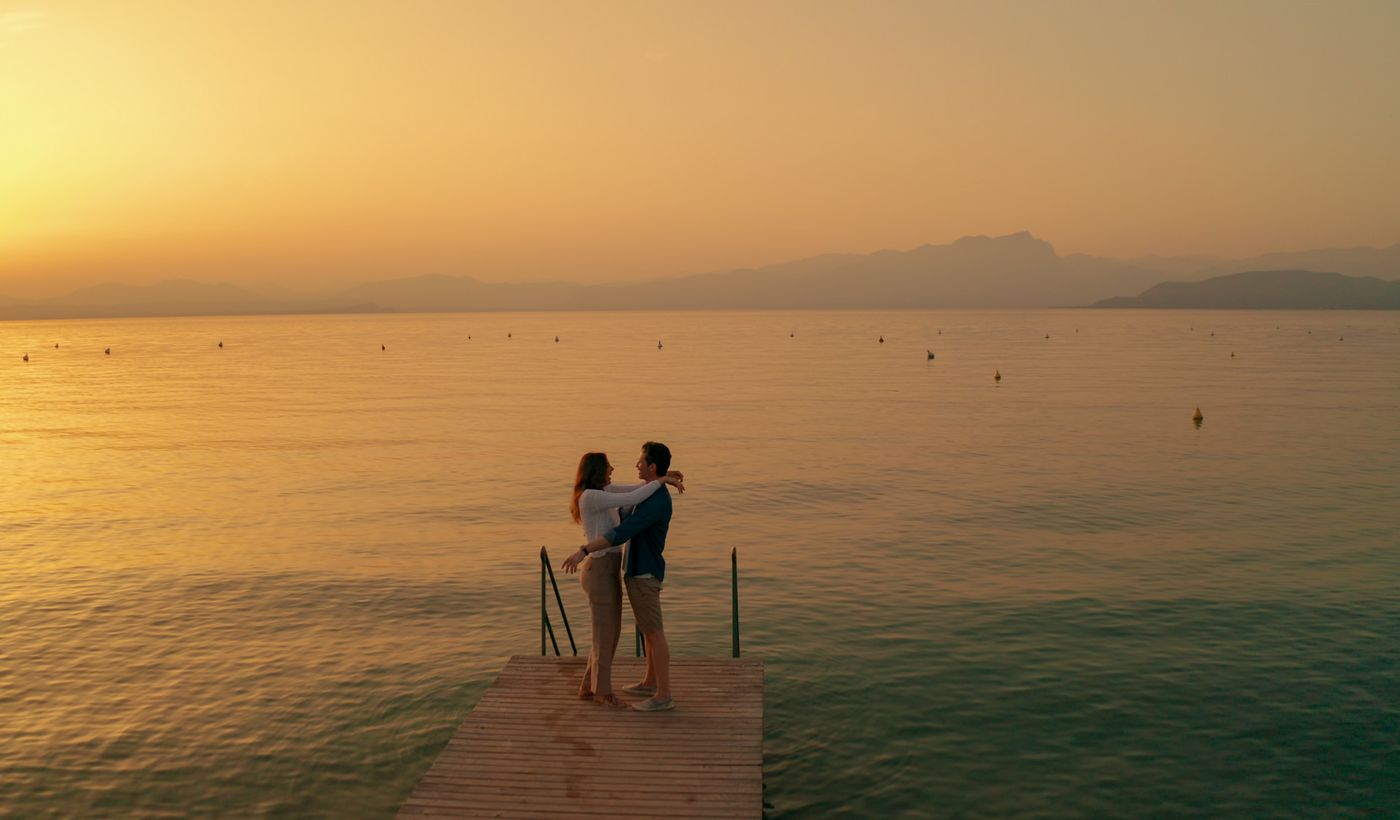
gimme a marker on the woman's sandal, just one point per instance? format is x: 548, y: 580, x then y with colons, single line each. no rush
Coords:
x: 610, y: 700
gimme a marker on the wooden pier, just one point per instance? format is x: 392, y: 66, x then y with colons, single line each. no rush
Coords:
x: 531, y: 748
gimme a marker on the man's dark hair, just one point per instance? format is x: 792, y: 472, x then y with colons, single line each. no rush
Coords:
x: 658, y: 454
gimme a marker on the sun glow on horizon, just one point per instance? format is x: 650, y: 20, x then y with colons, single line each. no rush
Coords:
x: 622, y: 141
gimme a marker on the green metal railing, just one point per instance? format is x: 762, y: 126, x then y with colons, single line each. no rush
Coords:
x: 545, y: 625
x: 734, y: 596
x: 547, y: 628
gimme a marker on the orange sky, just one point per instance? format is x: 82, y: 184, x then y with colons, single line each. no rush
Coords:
x: 309, y: 142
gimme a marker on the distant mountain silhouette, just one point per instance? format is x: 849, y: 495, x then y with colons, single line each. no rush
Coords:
x: 174, y: 297
x: 437, y: 292
x: 978, y: 271
x: 1269, y: 289
x: 1013, y: 271
x: 1381, y: 263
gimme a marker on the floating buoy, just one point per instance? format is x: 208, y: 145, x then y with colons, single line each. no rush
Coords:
x: 1198, y: 416
x: 382, y: 347
x: 26, y: 357
x: 1212, y: 333
x: 997, y: 376
x: 507, y: 334
x: 108, y: 351
x: 221, y: 345
x: 940, y: 331
x: 658, y: 344
x: 1340, y: 338
x: 882, y: 340
x: 792, y: 334
x: 55, y: 345
x: 930, y: 354
x: 1047, y: 335
x: 556, y: 340
x: 1232, y: 354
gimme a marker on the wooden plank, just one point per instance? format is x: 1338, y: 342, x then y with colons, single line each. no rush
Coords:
x: 571, y: 795
x: 567, y: 795
x: 460, y: 809
x: 616, y: 799
x: 737, y: 778
x: 531, y: 748
x: 575, y: 749
x: 501, y: 758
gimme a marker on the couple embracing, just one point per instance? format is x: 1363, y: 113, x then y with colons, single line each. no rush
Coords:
x: 597, y: 503
x: 605, y: 568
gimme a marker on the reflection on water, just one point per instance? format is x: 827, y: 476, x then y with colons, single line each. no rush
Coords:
x: 272, y: 575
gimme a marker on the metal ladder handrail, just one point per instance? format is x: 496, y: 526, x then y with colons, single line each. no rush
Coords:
x: 734, y: 581
x: 545, y: 625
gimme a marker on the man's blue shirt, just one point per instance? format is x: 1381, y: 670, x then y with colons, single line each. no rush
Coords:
x: 646, y: 528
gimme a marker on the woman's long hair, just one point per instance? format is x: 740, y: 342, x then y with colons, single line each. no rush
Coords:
x: 592, y: 475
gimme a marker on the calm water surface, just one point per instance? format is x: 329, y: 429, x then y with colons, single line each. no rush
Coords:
x: 273, y: 577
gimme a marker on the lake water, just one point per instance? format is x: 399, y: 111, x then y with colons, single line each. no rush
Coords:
x: 274, y: 577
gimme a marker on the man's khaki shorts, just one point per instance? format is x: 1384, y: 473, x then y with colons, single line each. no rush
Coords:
x: 645, y: 595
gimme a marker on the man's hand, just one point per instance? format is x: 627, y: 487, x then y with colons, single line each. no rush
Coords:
x: 571, y: 563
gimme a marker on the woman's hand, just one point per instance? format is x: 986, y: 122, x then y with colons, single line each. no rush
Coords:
x: 677, y: 474
x: 571, y: 563
x: 676, y: 481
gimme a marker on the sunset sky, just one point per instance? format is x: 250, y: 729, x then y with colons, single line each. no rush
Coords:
x: 310, y: 142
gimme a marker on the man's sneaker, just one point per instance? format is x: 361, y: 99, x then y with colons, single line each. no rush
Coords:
x: 640, y: 689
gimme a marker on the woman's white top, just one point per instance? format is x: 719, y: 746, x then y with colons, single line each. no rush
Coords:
x: 598, y: 508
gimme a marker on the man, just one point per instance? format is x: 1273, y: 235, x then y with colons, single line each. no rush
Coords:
x: 643, y: 574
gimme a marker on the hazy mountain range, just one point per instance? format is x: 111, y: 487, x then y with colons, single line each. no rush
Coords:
x: 1269, y: 289
x: 1014, y: 271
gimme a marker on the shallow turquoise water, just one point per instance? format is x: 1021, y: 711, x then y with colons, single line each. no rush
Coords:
x: 272, y: 578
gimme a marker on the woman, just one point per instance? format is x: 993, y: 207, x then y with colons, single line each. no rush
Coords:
x: 595, y: 505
